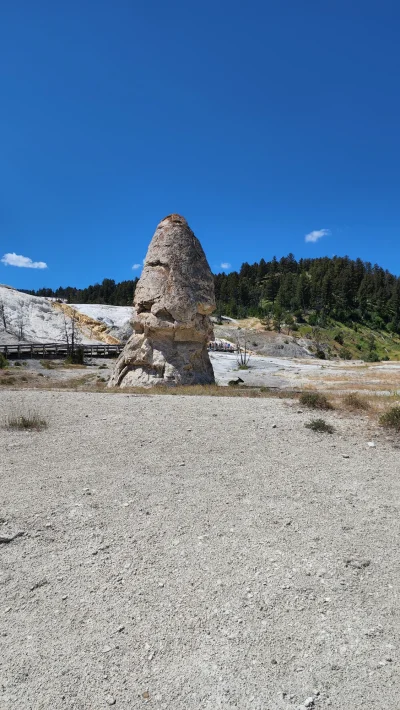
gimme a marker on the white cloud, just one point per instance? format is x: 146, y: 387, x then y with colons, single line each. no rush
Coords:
x: 226, y: 265
x: 135, y: 267
x: 23, y: 261
x: 317, y: 234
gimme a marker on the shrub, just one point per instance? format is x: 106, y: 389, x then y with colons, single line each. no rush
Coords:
x: 320, y: 425
x: 3, y: 361
x: 354, y: 401
x: 320, y: 354
x: 372, y: 356
x: 315, y: 400
x: 27, y: 421
x: 48, y: 364
x: 76, y: 358
x: 391, y: 418
x: 345, y: 354
x: 339, y: 338
x: 17, y: 364
x: 7, y: 381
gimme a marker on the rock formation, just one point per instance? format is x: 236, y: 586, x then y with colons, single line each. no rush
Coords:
x: 173, y: 300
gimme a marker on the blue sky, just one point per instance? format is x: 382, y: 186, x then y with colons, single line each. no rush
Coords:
x: 260, y: 122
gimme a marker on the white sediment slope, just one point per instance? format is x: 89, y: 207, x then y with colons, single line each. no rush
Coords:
x: 33, y: 319
x: 116, y: 318
x: 29, y: 318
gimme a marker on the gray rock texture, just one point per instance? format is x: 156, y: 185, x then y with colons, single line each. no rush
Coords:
x: 173, y: 301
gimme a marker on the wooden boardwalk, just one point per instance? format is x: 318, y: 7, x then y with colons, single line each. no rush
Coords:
x: 58, y: 350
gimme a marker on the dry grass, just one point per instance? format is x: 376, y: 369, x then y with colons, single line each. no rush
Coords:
x: 315, y: 400
x: 354, y: 402
x: 205, y: 391
x: 26, y: 421
x: 391, y: 418
x: 60, y: 365
x: 367, y: 379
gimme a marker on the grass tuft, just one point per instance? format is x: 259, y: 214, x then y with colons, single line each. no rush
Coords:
x: 48, y: 364
x: 353, y: 401
x: 25, y: 422
x: 391, y: 418
x: 320, y: 426
x: 315, y: 400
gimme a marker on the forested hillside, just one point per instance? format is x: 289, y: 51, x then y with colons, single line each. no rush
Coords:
x: 335, y: 288
x: 108, y: 292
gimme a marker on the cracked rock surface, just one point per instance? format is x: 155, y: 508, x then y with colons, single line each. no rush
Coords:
x: 173, y: 300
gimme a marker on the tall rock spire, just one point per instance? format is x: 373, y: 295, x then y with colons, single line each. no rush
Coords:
x: 173, y: 300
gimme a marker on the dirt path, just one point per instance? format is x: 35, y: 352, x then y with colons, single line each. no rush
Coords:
x: 182, y: 553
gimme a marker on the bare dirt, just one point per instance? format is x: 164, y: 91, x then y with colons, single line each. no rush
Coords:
x: 196, y: 553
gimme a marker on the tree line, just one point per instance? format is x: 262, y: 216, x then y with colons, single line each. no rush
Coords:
x: 108, y: 292
x: 340, y: 288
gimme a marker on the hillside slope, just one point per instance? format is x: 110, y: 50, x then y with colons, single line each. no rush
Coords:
x: 35, y: 319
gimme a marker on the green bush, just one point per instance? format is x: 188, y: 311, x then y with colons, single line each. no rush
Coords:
x: 315, y: 400
x: 391, y: 418
x: 345, y: 354
x: 320, y: 426
x: 3, y: 361
x: 76, y: 358
x: 339, y: 338
x: 320, y: 355
x: 371, y: 356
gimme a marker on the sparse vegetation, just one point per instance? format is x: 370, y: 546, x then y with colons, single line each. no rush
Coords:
x: 391, y: 418
x: 320, y: 426
x: 7, y: 381
x: 242, y: 352
x: 345, y: 354
x: 76, y: 357
x: 339, y: 338
x: 48, y: 364
x: 28, y: 421
x: 315, y: 400
x: 353, y: 401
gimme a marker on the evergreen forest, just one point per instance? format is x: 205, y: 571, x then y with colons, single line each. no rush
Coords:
x: 337, y: 288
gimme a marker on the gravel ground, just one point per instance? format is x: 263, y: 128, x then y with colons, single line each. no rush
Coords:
x: 196, y: 553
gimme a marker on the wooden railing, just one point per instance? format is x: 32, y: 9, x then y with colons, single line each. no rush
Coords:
x: 58, y: 350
